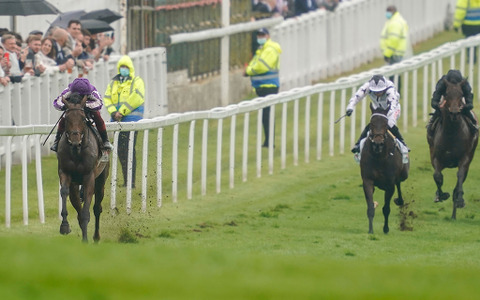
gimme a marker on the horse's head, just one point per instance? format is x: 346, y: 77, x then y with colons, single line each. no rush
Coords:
x: 453, y: 99
x: 75, y: 119
x: 378, y: 128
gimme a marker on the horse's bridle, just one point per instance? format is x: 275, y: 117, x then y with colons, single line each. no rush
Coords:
x: 69, y: 133
x: 372, y: 136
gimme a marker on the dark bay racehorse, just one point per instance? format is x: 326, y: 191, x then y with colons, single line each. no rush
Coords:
x: 78, y: 164
x: 381, y: 166
x: 452, y: 144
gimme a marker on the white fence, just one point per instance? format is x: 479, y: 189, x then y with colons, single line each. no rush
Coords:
x: 189, y: 171
x: 315, y: 45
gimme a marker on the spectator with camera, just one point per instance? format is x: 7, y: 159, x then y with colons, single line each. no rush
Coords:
x: 4, y: 80
x: 9, y: 43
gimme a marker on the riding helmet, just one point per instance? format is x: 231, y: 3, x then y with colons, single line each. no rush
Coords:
x: 81, y: 85
x: 378, y: 83
x: 454, y: 76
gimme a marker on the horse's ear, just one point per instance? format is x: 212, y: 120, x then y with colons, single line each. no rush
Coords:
x: 446, y: 82
x: 371, y: 107
x: 84, y: 101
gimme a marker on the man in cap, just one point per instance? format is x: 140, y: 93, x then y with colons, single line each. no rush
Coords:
x: 394, y: 38
x: 263, y: 71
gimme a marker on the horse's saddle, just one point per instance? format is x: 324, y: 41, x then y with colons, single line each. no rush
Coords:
x: 400, y: 146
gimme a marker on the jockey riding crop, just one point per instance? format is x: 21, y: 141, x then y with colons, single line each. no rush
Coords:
x: 53, y: 128
x: 340, y: 118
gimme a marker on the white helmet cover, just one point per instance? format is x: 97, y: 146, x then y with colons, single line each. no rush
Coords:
x: 378, y: 83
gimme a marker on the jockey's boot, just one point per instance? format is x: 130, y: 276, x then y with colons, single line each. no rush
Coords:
x: 394, y: 130
x: 55, y: 143
x: 356, y: 148
x: 473, y: 120
x: 431, y: 122
x: 106, y: 143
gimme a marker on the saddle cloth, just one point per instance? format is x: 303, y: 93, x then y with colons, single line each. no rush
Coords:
x: 401, y: 146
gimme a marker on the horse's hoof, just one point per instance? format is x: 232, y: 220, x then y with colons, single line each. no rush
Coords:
x: 386, y: 230
x: 398, y: 201
x: 65, y: 229
x: 442, y: 197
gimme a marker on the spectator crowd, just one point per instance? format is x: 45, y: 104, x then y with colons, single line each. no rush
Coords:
x: 290, y: 8
x: 58, y: 50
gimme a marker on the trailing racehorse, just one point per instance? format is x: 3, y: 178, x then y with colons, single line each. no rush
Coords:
x: 452, y: 143
x: 79, y: 164
x: 381, y: 166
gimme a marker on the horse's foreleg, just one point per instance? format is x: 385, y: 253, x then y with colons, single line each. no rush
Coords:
x: 438, y: 177
x: 64, y: 191
x: 386, y: 207
x: 368, y: 189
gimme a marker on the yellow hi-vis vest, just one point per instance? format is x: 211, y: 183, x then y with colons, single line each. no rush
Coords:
x: 393, y: 40
x: 467, y: 12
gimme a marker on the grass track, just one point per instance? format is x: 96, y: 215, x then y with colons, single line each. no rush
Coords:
x: 299, y: 234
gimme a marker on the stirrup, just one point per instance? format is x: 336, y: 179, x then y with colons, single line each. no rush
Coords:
x: 107, y: 145
x: 105, y: 157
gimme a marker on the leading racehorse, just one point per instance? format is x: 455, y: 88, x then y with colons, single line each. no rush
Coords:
x: 452, y: 144
x: 381, y: 166
x: 79, y: 164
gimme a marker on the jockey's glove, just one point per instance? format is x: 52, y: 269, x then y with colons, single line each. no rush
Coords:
x: 467, y: 107
x: 349, y: 112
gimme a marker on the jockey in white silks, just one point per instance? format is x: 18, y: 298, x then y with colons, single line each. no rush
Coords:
x: 383, y: 94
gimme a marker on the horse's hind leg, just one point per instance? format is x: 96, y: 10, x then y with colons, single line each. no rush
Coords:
x: 97, y: 207
x: 386, y: 207
x: 399, y: 201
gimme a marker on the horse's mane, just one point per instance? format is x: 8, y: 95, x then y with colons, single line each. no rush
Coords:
x: 75, y: 98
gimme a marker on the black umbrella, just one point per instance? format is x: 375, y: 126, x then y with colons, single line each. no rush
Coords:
x: 62, y: 19
x: 105, y: 15
x: 26, y: 8
x: 95, y: 26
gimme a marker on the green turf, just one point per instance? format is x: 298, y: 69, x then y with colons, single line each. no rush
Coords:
x: 298, y: 234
